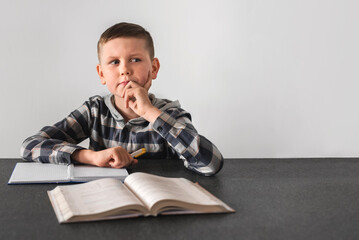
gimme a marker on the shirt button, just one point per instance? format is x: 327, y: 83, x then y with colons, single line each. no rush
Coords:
x: 160, y: 129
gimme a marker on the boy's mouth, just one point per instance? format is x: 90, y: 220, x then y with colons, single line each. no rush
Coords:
x: 124, y: 83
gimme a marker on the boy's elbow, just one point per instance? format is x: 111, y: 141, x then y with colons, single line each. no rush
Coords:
x: 211, y: 168
x: 208, y: 161
x: 26, y: 149
x: 214, y: 166
x: 218, y: 166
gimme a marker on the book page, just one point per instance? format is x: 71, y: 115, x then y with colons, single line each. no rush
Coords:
x: 31, y: 172
x: 97, y: 196
x: 151, y: 189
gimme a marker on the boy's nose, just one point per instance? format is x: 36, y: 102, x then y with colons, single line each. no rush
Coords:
x: 124, y: 70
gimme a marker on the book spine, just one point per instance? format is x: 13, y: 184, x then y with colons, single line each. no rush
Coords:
x: 70, y: 172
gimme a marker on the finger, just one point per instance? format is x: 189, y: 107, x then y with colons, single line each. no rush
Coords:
x: 122, y: 159
x: 107, y: 161
x: 118, y: 165
x: 134, y: 84
x: 130, y: 97
x: 131, y: 84
x: 128, y: 85
x: 126, y: 97
x: 133, y: 104
x: 134, y: 162
x: 117, y: 161
x: 129, y: 159
x: 110, y: 163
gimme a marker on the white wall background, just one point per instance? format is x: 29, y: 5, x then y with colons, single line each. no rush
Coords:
x: 261, y: 78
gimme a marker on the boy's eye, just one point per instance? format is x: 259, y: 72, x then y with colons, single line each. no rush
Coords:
x: 115, y: 62
x: 135, y: 60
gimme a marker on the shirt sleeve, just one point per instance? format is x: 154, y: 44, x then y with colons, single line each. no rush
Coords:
x: 56, y: 143
x: 198, y: 153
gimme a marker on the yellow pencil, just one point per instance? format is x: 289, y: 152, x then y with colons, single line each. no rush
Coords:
x: 138, y: 153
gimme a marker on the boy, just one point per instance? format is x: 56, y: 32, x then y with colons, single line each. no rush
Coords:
x: 127, y: 119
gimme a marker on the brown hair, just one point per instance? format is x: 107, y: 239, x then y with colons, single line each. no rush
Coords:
x: 124, y: 29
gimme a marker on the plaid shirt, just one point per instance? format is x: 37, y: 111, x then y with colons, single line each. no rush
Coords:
x: 171, y: 135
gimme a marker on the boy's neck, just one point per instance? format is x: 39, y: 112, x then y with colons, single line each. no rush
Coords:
x: 127, y: 113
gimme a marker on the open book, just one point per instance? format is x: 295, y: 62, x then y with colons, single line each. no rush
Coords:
x: 141, y: 194
x: 31, y: 172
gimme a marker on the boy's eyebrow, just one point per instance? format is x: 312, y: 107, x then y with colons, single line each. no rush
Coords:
x: 111, y: 57
x: 137, y: 54
x: 130, y: 55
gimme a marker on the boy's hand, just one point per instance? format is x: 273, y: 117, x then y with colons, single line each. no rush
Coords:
x: 136, y: 98
x: 116, y: 157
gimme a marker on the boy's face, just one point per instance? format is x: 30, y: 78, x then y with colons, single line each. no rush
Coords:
x: 123, y: 60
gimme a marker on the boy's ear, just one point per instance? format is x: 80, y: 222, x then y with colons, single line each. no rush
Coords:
x: 100, y: 74
x: 155, y: 67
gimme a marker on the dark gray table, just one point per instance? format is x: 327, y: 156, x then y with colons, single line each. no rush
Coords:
x: 274, y: 199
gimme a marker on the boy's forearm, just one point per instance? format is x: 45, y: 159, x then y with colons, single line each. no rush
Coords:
x: 83, y: 156
x: 38, y: 148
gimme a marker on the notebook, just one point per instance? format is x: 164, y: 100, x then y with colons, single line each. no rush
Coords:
x: 31, y: 172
